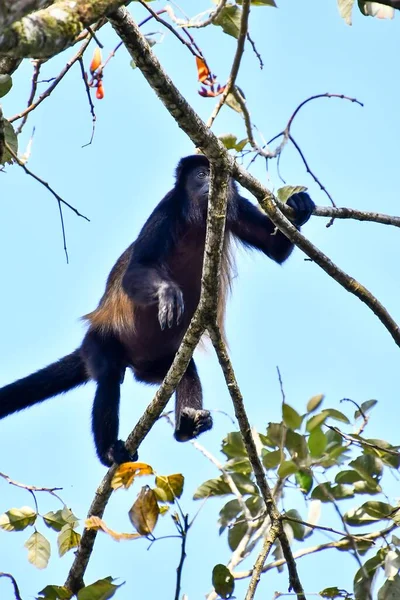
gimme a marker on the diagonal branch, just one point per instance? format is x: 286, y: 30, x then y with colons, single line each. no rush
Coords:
x: 207, y: 309
x: 203, y: 138
x: 245, y: 429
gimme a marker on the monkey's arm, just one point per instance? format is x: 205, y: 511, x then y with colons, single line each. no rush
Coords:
x: 256, y: 230
x: 146, y: 280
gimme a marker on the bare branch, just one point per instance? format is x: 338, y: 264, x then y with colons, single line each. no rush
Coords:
x: 207, y: 309
x: 230, y: 85
x: 314, y: 549
x: 214, y: 14
x: 245, y: 429
x: 14, y: 583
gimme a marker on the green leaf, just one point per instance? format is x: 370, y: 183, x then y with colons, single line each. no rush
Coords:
x: 298, y: 528
x: 236, y: 533
x: 232, y: 445
x: 260, y: 2
x: 317, y: 442
x: 239, y: 465
x: 17, y: 519
x: 38, y: 550
x: 337, y: 415
x: 315, y: 402
x: 291, y: 417
x: 285, y: 192
x: 335, y: 592
x: 57, y: 520
x: 304, y: 480
x: 348, y: 476
x: 321, y: 417
x: 5, y: 84
x: 390, y: 589
x: 169, y: 487
x: 369, y: 467
x: 11, y: 139
x: 103, y: 589
x: 228, y: 513
x: 364, y: 577
x: 326, y: 492
x: 270, y: 460
x: 223, y: 581
x: 67, y: 539
x: 231, y: 142
x: 316, y: 421
x: 229, y: 19
x: 365, y: 407
x: 275, y: 433
x: 297, y: 445
x: 287, y: 468
x: 55, y: 592
x: 218, y: 487
x: 369, y: 512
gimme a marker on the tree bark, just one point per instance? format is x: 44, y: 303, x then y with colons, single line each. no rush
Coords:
x: 47, y: 32
x: 14, y: 10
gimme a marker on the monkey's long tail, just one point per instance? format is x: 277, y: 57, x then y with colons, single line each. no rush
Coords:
x: 59, y: 377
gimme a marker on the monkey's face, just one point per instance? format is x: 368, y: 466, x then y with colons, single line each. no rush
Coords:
x: 198, y: 184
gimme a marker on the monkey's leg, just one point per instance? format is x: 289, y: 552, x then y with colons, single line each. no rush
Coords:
x: 190, y: 418
x: 104, y: 356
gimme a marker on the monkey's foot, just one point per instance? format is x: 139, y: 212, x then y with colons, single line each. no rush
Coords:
x: 118, y: 454
x: 192, y: 423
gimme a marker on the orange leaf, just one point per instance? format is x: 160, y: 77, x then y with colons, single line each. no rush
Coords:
x: 97, y: 523
x: 96, y: 60
x: 203, y: 71
x: 126, y: 473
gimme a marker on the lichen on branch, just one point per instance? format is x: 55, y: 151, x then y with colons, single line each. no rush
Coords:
x: 47, y: 32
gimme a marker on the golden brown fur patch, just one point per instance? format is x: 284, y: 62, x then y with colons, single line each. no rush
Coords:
x: 116, y: 311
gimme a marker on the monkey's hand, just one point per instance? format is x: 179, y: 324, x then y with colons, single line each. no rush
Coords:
x: 170, y: 305
x: 118, y: 454
x: 192, y: 422
x: 303, y: 207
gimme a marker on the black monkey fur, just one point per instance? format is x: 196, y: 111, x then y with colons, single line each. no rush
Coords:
x: 150, y: 297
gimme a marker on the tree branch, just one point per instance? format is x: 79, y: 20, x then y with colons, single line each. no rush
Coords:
x: 206, y: 310
x: 14, y: 10
x: 47, y: 32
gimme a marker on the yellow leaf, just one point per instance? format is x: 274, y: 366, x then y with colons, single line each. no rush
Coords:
x: 125, y: 475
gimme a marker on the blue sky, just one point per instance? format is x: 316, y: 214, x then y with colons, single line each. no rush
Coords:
x: 323, y: 339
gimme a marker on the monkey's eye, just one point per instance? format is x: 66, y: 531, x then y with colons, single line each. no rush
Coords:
x: 202, y: 174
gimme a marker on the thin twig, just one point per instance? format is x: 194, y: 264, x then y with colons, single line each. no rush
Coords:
x: 346, y: 534
x: 89, y: 97
x: 253, y: 45
x: 322, y: 187
x: 156, y: 16
x: 214, y: 14
x: 14, y: 583
x: 269, y: 541
x: 56, y: 81
x: 183, y: 530
x: 314, y: 549
x: 363, y: 443
x: 60, y: 200
x: 35, y: 76
x: 244, y: 25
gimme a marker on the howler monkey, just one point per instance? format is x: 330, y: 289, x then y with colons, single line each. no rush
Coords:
x: 150, y: 297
